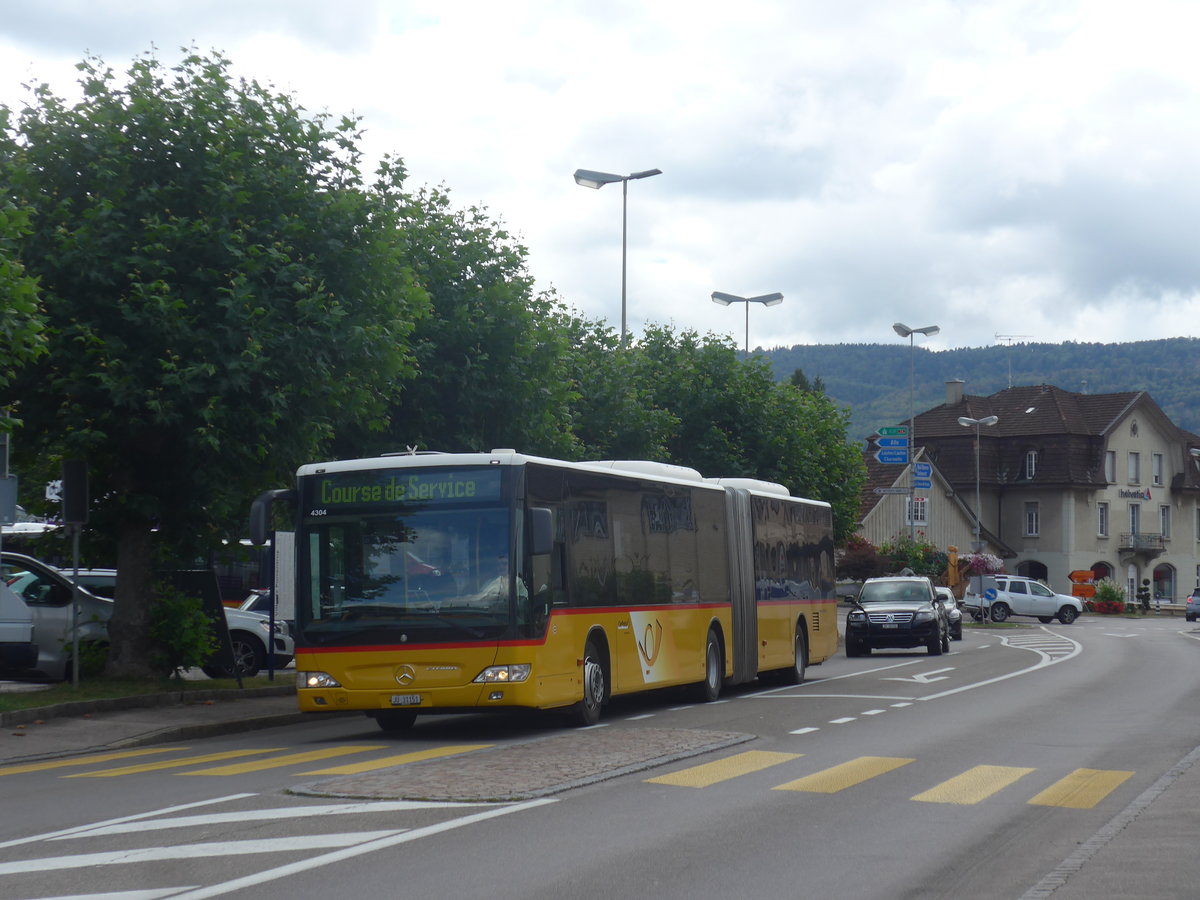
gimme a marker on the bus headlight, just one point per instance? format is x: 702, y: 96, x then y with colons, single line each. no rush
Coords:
x: 511, y: 673
x: 316, y: 680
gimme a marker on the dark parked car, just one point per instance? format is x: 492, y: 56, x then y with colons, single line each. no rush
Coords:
x: 897, y: 613
x: 1192, y: 613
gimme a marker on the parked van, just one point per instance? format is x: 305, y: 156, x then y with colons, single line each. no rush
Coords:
x: 17, y: 649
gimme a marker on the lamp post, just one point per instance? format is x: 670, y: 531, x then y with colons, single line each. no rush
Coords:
x: 597, y: 180
x: 765, y: 299
x: 904, y: 331
x: 969, y: 423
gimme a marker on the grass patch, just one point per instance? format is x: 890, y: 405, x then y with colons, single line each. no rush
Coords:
x: 109, y: 689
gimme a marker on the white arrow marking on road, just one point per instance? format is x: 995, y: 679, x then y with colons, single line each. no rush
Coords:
x: 925, y: 677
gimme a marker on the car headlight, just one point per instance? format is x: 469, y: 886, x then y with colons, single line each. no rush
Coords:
x: 511, y: 673
x: 923, y: 615
x: 857, y: 617
x: 316, y: 680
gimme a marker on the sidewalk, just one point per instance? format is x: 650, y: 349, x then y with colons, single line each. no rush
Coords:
x: 69, y: 729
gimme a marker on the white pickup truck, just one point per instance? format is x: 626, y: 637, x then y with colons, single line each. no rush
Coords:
x: 17, y: 649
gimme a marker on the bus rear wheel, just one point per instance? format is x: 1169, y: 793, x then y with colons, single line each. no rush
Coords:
x: 587, y: 710
x: 709, y: 689
x: 795, y: 675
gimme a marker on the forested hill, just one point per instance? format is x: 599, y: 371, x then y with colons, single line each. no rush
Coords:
x: 873, y: 379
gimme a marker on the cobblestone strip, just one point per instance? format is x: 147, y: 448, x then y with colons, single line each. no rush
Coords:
x: 531, y: 769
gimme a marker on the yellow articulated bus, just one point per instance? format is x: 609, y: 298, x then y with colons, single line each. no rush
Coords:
x: 451, y: 582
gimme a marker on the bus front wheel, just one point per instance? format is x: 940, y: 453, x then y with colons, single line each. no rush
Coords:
x: 587, y: 710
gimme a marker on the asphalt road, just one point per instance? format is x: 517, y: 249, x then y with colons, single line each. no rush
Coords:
x: 899, y: 775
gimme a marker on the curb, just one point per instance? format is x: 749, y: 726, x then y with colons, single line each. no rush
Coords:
x: 138, y: 701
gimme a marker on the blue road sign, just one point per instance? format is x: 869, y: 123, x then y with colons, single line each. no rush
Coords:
x: 989, y: 595
x: 923, y: 470
x: 891, y: 442
x: 892, y: 455
x: 922, y: 484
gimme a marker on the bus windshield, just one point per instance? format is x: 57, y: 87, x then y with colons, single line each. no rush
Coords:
x: 423, y: 575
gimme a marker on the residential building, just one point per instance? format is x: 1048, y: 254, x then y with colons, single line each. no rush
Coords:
x: 1067, y: 482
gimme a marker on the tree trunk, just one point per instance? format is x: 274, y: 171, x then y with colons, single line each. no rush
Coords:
x: 130, y: 646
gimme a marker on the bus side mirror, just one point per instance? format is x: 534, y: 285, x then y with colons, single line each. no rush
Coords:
x: 260, y: 513
x: 541, y: 530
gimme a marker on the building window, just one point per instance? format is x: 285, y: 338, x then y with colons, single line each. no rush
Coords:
x: 1102, y: 519
x: 1031, y: 459
x: 1110, y: 466
x: 1164, y: 521
x: 918, y: 510
x: 1135, y: 518
x: 1135, y: 468
x: 1156, y: 466
x: 1032, y: 520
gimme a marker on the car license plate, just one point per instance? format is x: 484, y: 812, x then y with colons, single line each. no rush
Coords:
x: 890, y: 625
x: 406, y: 699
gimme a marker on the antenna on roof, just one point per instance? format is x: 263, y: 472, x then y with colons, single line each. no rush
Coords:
x: 1011, y: 339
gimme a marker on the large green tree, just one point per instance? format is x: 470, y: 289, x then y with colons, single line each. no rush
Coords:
x: 223, y: 291
x: 22, y: 324
x: 492, y: 354
x: 733, y: 419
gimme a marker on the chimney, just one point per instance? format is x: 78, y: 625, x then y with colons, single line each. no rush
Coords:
x: 954, y: 391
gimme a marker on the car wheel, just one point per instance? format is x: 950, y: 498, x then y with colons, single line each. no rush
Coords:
x: 1000, y: 612
x: 956, y: 634
x: 714, y: 671
x: 1068, y: 614
x: 935, y: 645
x: 249, y: 656
x: 587, y: 709
x: 946, y: 642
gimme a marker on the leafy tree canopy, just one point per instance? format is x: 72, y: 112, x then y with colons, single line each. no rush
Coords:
x: 222, y: 293
x: 22, y: 324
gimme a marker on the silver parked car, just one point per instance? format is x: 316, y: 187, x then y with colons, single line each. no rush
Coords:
x: 47, y: 593
x: 953, y: 613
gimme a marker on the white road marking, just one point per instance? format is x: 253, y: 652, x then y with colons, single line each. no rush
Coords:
x: 270, y: 815
x: 83, y: 829
x: 325, y: 859
x: 195, y: 851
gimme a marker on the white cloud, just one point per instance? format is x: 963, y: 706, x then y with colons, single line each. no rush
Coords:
x: 998, y: 167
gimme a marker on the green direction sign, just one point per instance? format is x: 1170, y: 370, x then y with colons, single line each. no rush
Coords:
x: 894, y: 431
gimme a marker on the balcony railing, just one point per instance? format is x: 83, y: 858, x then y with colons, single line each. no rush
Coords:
x: 1143, y: 542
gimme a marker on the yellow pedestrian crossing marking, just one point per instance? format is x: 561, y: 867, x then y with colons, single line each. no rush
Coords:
x: 161, y: 764
x: 82, y: 760
x: 278, y: 762
x: 709, y: 774
x: 973, y: 785
x: 1082, y: 789
x: 845, y: 775
x: 399, y: 760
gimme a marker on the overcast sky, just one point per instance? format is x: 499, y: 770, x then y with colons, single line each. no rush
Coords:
x: 1027, y: 170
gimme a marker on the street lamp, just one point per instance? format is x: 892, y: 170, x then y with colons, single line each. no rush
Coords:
x: 765, y: 299
x: 905, y: 332
x: 597, y: 180
x: 967, y: 422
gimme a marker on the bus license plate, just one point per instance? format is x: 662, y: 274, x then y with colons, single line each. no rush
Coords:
x: 406, y: 699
